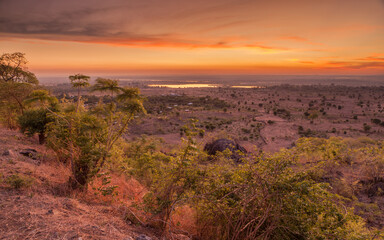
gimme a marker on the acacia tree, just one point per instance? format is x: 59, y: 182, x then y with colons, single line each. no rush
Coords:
x: 13, y: 69
x: 40, y: 98
x: 79, y: 81
x: 119, y: 112
x: 106, y: 85
x: 16, y: 82
x: 87, y: 138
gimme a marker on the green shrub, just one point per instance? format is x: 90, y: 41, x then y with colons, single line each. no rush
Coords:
x: 373, y: 168
x: 106, y: 188
x: 34, y: 121
x: 15, y: 181
x: 265, y: 199
x: 376, y: 121
x: 262, y: 198
x: 173, y: 178
x: 87, y: 137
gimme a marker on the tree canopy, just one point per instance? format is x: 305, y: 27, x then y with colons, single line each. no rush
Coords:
x: 13, y: 69
x: 16, y: 82
x: 79, y: 80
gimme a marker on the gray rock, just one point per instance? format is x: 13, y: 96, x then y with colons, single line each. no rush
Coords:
x: 221, y: 145
x: 143, y: 237
x: 29, y: 152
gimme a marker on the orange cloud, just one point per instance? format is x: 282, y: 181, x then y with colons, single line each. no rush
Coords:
x: 373, y: 58
x: 353, y: 65
x: 299, y: 39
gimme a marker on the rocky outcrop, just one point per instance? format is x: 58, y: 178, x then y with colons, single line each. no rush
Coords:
x: 29, y: 152
x: 221, y: 145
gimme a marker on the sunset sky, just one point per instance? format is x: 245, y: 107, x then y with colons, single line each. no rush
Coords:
x: 198, y: 36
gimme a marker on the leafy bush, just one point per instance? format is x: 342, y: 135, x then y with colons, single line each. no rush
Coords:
x: 106, y: 188
x: 376, y: 121
x: 262, y: 198
x: 172, y: 180
x: 15, y: 181
x: 78, y: 137
x: 265, y: 199
x: 87, y: 137
x: 373, y: 163
x: 34, y: 121
x: 143, y: 157
x: 283, y: 113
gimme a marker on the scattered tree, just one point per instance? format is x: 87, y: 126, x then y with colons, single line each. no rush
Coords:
x: 87, y: 137
x: 16, y: 82
x: 79, y: 81
x: 13, y: 69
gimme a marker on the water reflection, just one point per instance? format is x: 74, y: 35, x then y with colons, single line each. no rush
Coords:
x: 198, y: 85
x: 194, y: 85
x: 247, y: 87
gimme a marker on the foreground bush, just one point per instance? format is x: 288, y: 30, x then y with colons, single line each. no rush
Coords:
x: 265, y: 197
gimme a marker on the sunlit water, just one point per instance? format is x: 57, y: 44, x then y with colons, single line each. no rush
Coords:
x: 195, y: 85
x: 198, y: 85
x: 247, y: 87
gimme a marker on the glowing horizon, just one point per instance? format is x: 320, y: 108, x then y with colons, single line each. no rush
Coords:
x: 203, y: 37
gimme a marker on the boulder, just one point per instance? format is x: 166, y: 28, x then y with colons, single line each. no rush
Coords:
x: 143, y: 237
x: 221, y: 145
x: 29, y: 152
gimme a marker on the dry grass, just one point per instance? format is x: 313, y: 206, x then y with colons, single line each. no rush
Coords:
x: 184, y: 220
x: 46, y: 209
x: 129, y: 190
x: 35, y: 216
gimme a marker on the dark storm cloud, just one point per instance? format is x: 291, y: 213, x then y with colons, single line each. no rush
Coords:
x: 50, y: 27
x: 43, y: 17
x: 97, y: 21
x: 150, y: 20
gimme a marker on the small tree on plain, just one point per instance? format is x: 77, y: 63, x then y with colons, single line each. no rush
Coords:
x: 79, y: 81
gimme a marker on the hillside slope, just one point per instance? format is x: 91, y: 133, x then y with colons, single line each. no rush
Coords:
x: 34, y: 203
